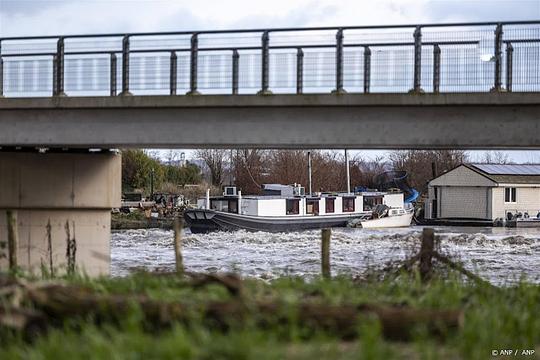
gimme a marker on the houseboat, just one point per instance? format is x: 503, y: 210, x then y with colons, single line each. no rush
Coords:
x: 286, y: 208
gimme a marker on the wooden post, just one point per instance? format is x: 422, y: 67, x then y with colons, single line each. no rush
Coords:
x: 178, y: 225
x: 426, y: 252
x: 325, y: 253
x: 13, y: 238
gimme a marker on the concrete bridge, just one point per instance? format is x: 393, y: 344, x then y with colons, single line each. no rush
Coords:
x: 407, y: 86
x: 357, y: 121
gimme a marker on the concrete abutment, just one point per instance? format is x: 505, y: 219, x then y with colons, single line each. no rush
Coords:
x: 59, y: 197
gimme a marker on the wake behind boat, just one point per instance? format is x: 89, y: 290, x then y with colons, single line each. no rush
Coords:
x: 284, y: 208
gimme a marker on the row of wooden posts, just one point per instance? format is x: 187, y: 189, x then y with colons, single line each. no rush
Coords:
x: 425, y: 257
x: 427, y: 252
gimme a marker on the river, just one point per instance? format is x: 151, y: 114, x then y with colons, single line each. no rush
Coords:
x: 500, y: 255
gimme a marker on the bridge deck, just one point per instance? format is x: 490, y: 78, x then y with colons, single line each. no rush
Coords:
x: 475, y: 120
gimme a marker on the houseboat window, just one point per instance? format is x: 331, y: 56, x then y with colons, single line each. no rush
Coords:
x: 371, y: 201
x: 293, y: 206
x: 330, y: 203
x: 348, y: 204
x: 509, y: 195
x: 224, y: 205
x: 312, y: 206
x: 233, y: 206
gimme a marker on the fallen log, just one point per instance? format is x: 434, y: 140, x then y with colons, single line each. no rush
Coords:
x: 63, y: 302
x: 26, y: 321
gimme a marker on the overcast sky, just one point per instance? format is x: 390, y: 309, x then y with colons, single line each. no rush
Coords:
x: 42, y: 17
x: 32, y: 17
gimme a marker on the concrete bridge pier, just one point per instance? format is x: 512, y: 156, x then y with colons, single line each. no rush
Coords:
x: 61, y: 200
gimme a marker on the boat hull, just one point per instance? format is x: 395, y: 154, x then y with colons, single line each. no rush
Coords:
x: 203, y: 221
x: 388, y: 222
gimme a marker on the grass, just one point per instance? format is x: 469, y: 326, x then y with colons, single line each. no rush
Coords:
x: 495, y: 318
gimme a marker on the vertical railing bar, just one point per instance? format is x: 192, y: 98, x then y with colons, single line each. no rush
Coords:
x: 299, y: 71
x: 509, y: 67
x: 173, y: 73
x: 1, y: 72
x: 265, y: 61
x: 54, y: 76
x: 436, y: 68
x: 367, y: 69
x: 339, y: 63
x: 498, y: 58
x: 113, y: 75
x: 417, y: 85
x: 60, y: 68
x: 193, y: 67
x: 235, y: 71
x: 125, y: 66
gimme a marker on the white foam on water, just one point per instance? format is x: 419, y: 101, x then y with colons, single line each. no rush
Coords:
x: 497, y: 254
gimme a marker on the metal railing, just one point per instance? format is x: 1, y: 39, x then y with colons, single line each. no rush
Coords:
x: 464, y: 57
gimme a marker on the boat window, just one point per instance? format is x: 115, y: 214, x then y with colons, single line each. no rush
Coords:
x: 370, y: 202
x: 233, y: 206
x: 293, y: 206
x: 330, y: 205
x: 225, y: 205
x: 348, y: 204
x: 312, y: 206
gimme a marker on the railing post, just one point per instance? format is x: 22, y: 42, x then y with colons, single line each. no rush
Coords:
x: 113, y: 74
x: 1, y: 76
x: 299, y: 71
x: 436, y: 68
x: 59, y: 91
x: 509, y: 56
x: 417, y: 85
x: 194, y: 57
x: 339, y: 63
x: 367, y: 69
x: 235, y: 71
x: 498, y: 58
x: 125, y: 66
x: 54, y: 76
x: 265, y: 63
x: 173, y: 73
x: 1, y: 72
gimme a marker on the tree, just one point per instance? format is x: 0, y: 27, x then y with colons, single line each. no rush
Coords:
x: 137, y: 170
x: 495, y: 157
x: 214, y: 159
x: 418, y: 164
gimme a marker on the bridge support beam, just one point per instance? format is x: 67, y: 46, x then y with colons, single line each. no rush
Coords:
x: 63, y: 203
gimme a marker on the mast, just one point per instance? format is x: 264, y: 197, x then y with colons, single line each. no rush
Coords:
x: 348, y: 172
x: 309, y: 171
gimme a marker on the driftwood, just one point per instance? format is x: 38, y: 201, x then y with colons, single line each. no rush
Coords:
x: 59, y: 302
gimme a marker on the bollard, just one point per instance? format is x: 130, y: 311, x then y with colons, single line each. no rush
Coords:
x: 426, y: 253
x: 13, y: 238
x: 325, y: 253
x: 178, y: 225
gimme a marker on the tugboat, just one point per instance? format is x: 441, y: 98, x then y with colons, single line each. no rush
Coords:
x: 285, y: 208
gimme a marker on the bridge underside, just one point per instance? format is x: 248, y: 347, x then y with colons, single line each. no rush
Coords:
x: 374, y: 121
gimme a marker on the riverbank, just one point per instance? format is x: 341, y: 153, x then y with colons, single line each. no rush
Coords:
x: 211, y: 317
x: 137, y: 220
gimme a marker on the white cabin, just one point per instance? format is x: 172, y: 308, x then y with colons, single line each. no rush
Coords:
x: 293, y: 202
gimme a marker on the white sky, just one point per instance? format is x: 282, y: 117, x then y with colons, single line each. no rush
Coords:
x: 49, y: 17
